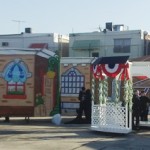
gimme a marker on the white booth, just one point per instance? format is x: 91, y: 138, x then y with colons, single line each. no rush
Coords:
x: 112, y: 95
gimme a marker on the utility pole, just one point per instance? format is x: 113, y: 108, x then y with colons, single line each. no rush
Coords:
x: 19, y: 22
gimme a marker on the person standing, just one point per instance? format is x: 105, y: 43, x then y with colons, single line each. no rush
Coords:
x: 144, y: 102
x: 135, y: 110
x: 88, y: 105
x: 81, y: 98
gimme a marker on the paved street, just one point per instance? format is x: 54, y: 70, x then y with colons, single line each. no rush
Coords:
x: 41, y: 134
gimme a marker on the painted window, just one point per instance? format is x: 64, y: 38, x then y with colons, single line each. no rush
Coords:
x: 15, y: 88
x: 72, y: 81
x: 15, y: 74
x: 122, y: 45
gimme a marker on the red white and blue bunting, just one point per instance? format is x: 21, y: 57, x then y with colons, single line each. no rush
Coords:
x: 100, y: 69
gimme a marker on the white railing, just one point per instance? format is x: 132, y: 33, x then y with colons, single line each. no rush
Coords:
x: 111, y: 117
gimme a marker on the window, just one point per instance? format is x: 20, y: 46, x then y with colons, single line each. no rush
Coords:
x: 15, y: 74
x: 86, y: 44
x: 5, y: 44
x: 122, y: 45
x: 72, y: 81
x: 95, y: 54
x: 15, y: 88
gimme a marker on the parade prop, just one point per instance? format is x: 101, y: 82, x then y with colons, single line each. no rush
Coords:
x: 111, y: 95
x: 29, y: 83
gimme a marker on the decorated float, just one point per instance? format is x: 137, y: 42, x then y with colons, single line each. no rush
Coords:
x: 29, y: 82
x: 111, y: 95
x: 75, y: 73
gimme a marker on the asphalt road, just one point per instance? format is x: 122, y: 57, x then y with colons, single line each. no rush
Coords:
x: 41, y: 134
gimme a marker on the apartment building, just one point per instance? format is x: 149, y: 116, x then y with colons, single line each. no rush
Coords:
x: 52, y: 41
x: 114, y: 40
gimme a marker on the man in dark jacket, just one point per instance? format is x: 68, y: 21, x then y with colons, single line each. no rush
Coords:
x: 81, y: 98
x: 144, y: 102
x: 88, y: 105
x: 135, y: 110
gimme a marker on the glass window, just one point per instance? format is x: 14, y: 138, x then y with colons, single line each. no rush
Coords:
x: 122, y: 45
x: 5, y: 44
x: 95, y: 54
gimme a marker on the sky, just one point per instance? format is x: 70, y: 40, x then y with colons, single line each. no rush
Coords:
x: 71, y: 16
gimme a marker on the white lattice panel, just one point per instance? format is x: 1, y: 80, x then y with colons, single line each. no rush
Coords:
x: 110, y: 117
